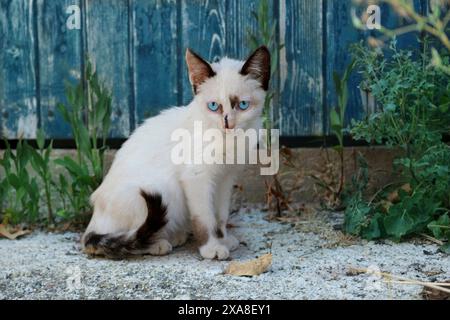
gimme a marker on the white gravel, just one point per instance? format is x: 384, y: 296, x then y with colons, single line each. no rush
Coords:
x: 308, y: 263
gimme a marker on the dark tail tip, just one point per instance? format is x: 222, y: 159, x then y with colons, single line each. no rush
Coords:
x: 118, y: 246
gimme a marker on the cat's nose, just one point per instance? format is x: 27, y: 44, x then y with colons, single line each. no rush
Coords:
x: 228, y: 122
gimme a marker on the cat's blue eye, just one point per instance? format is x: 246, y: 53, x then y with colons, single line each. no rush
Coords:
x: 213, y: 106
x: 243, y: 105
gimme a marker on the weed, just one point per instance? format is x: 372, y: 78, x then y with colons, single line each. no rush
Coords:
x: 413, y: 116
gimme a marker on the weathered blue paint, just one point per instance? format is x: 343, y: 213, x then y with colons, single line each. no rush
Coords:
x: 60, y: 56
x: 18, y: 74
x: 137, y: 47
x: 154, y: 52
x: 238, y: 22
x: 301, y: 77
x: 107, y: 45
x: 340, y: 34
x: 203, y: 30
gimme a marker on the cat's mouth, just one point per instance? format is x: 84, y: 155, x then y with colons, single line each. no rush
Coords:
x: 229, y: 131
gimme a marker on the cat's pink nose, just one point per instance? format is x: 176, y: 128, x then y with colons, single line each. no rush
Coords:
x: 228, y: 123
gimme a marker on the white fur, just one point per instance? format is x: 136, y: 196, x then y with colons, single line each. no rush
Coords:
x: 189, y: 191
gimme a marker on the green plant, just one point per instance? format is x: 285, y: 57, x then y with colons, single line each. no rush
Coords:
x: 413, y: 116
x: 332, y: 180
x: 28, y: 170
x: 21, y: 189
x: 93, y: 103
x: 337, y: 118
x: 266, y: 34
x: 40, y: 161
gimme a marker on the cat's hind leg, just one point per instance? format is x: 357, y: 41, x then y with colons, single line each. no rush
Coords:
x: 179, y: 239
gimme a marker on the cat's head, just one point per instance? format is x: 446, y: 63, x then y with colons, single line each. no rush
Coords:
x: 230, y: 93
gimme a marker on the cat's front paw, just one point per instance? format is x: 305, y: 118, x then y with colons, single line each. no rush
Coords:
x: 214, y: 250
x: 160, y: 248
x: 231, y: 242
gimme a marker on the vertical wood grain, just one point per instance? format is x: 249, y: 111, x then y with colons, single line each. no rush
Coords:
x: 108, y: 48
x: 154, y: 53
x: 138, y: 49
x: 203, y: 30
x: 301, y: 80
x: 239, y: 21
x: 59, y: 60
x: 340, y: 34
x: 18, y: 74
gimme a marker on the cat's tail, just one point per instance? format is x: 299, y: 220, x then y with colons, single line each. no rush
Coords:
x: 122, y: 245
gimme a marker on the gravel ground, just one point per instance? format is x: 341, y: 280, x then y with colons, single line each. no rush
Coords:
x: 311, y: 260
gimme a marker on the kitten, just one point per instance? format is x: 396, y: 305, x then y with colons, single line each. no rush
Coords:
x: 146, y: 203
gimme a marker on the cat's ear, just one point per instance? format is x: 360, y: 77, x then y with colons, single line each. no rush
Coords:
x: 199, y: 69
x: 257, y: 66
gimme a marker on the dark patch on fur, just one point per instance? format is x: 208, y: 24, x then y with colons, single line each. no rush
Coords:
x: 200, y: 232
x: 257, y: 66
x: 119, y: 246
x: 219, y: 233
x: 199, y: 77
x: 234, y: 101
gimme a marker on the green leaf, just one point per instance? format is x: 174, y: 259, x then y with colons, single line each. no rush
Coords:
x: 40, y: 139
x: 335, y: 120
x: 72, y: 166
x: 398, y: 222
x: 37, y: 162
x: 64, y: 113
x: 440, y: 227
x: 390, y: 107
x: 373, y: 230
x: 356, y: 217
x: 62, y: 213
x: 445, y: 248
x: 14, y: 181
x: 337, y: 83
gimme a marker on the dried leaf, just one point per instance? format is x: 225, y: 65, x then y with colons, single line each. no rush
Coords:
x: 394, y: 196
x: 12, y: 235
x: 435, y: 294
x: 250, y: 268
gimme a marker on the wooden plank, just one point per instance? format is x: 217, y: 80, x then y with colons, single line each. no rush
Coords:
x: 340, y: 35
x: 155, y: 56
x: 203, y: 30
x: 59, y: 59
x: 107, y: 44
x: 301, y: 80
x: 18, y: 100
x: 239, y: 20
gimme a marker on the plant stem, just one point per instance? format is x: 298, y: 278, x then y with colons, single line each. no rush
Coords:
x: 49, y: 202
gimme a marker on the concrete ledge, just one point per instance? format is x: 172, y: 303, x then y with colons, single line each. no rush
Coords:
x: 311, y: 161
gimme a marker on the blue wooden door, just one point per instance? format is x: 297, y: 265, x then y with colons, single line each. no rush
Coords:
x: 138, y: 48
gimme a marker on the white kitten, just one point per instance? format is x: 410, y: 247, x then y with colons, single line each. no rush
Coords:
x: 146, y: 203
